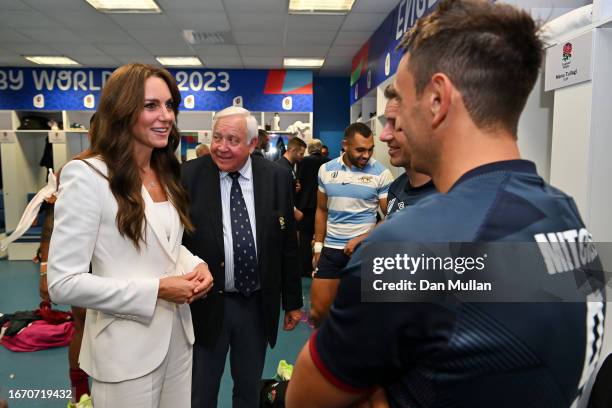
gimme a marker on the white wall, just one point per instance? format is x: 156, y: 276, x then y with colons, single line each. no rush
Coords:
x: 600, y: 171
x: 570, y: 143
x: 535, y: 128
x: 581, y: 153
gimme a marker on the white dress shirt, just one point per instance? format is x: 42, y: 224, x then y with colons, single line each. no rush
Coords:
x: 246, y: 185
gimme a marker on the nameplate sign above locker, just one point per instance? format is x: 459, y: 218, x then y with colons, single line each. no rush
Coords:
x: 569, y: 62
x: 201, y: 89
x: 205, y: 136
x: 57, y: 136
x: 6, y: 136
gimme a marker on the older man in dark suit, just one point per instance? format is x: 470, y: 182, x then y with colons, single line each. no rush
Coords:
x: 242, y: 210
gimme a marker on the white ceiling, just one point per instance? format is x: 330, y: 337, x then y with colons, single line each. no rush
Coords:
x: 261, y: 33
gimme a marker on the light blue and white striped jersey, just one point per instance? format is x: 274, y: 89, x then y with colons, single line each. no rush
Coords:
x: 352, y: 198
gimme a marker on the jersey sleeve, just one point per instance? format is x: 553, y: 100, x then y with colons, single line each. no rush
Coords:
x: 321, y: 179
x: 385, y: 181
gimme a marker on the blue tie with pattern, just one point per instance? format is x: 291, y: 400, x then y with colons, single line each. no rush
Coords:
x: 246, y: 279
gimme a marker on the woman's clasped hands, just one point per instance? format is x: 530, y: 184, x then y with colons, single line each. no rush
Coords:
x: 186, y: 288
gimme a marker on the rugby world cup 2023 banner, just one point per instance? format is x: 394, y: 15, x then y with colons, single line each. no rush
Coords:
x: 201, y: 89
x: 378, y: 58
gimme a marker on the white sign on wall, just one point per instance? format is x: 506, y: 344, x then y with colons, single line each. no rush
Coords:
x: 7, y: 137
x: 204, y: 136
x: 569, y: 62
x: 56, y: 136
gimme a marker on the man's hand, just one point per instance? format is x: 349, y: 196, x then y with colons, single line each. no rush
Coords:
x: 292, y: 318
x: 297, y: 214
x: 176, y: 289
x: 315, y: 260
x: 298, y: 186
x: 350, y: 246
x: 43, y: 290
x: 202, y: 278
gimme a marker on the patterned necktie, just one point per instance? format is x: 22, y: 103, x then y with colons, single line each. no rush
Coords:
x: 246, y: 279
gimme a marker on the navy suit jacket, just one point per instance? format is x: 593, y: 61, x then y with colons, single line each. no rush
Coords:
x: 276, y: 242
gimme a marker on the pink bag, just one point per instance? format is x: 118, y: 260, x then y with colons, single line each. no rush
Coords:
x: 40, y: 335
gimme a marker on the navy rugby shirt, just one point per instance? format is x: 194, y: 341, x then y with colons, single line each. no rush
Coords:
x: 402, y: 194
x: 465, y: 354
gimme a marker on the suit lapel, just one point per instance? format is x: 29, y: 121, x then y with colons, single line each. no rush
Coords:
x: 153, y: 221
x: 176, y: 232
x: 260, y: 192
x: 211, y: 188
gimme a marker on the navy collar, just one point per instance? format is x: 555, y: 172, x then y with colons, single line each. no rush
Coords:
x: 425, y: 186
x: 515, y: 166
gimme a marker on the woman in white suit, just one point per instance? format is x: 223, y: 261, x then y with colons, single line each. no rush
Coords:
x: 123, y: 209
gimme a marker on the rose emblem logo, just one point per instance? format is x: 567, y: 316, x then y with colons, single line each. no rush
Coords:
x: 567, y: 51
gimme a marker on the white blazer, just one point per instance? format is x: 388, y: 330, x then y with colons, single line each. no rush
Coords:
x: 127, y: 329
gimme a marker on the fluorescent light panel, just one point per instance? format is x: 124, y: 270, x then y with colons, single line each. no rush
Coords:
x: 51, y: 60
x: 125, y: 6
x: 303, y: 62
x: 179, y: 61
x: 320, y: 6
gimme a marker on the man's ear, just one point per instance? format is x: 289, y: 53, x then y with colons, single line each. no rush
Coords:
x: 440, y: 98
x: 344, y: 145
x: 253, y: 144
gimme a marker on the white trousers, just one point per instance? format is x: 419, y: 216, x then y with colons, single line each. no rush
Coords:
x: 168, y: 386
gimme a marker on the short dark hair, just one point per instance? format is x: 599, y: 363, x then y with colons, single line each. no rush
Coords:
x: 357, y: 127
x: 262, y: 139
x: 296, y: 143
x: 490, y: 51
x: 324, y: 147
x: 390, y: 92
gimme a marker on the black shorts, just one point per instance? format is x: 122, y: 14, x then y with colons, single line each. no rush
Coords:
x: 331, y: 263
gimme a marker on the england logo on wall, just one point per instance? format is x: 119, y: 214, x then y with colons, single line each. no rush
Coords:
x: 566, y: 58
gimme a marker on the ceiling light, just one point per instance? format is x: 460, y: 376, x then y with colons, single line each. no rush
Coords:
x: 179, y: 61
x: 51, y: 60
x: 303, y: 62
x: 320, y: 6
x: 125, y: 6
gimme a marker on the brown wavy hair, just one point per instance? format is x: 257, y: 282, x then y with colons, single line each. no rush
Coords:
x: 121, y: 103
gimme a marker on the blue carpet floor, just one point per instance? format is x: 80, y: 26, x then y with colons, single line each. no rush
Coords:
x: 48, y: 369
